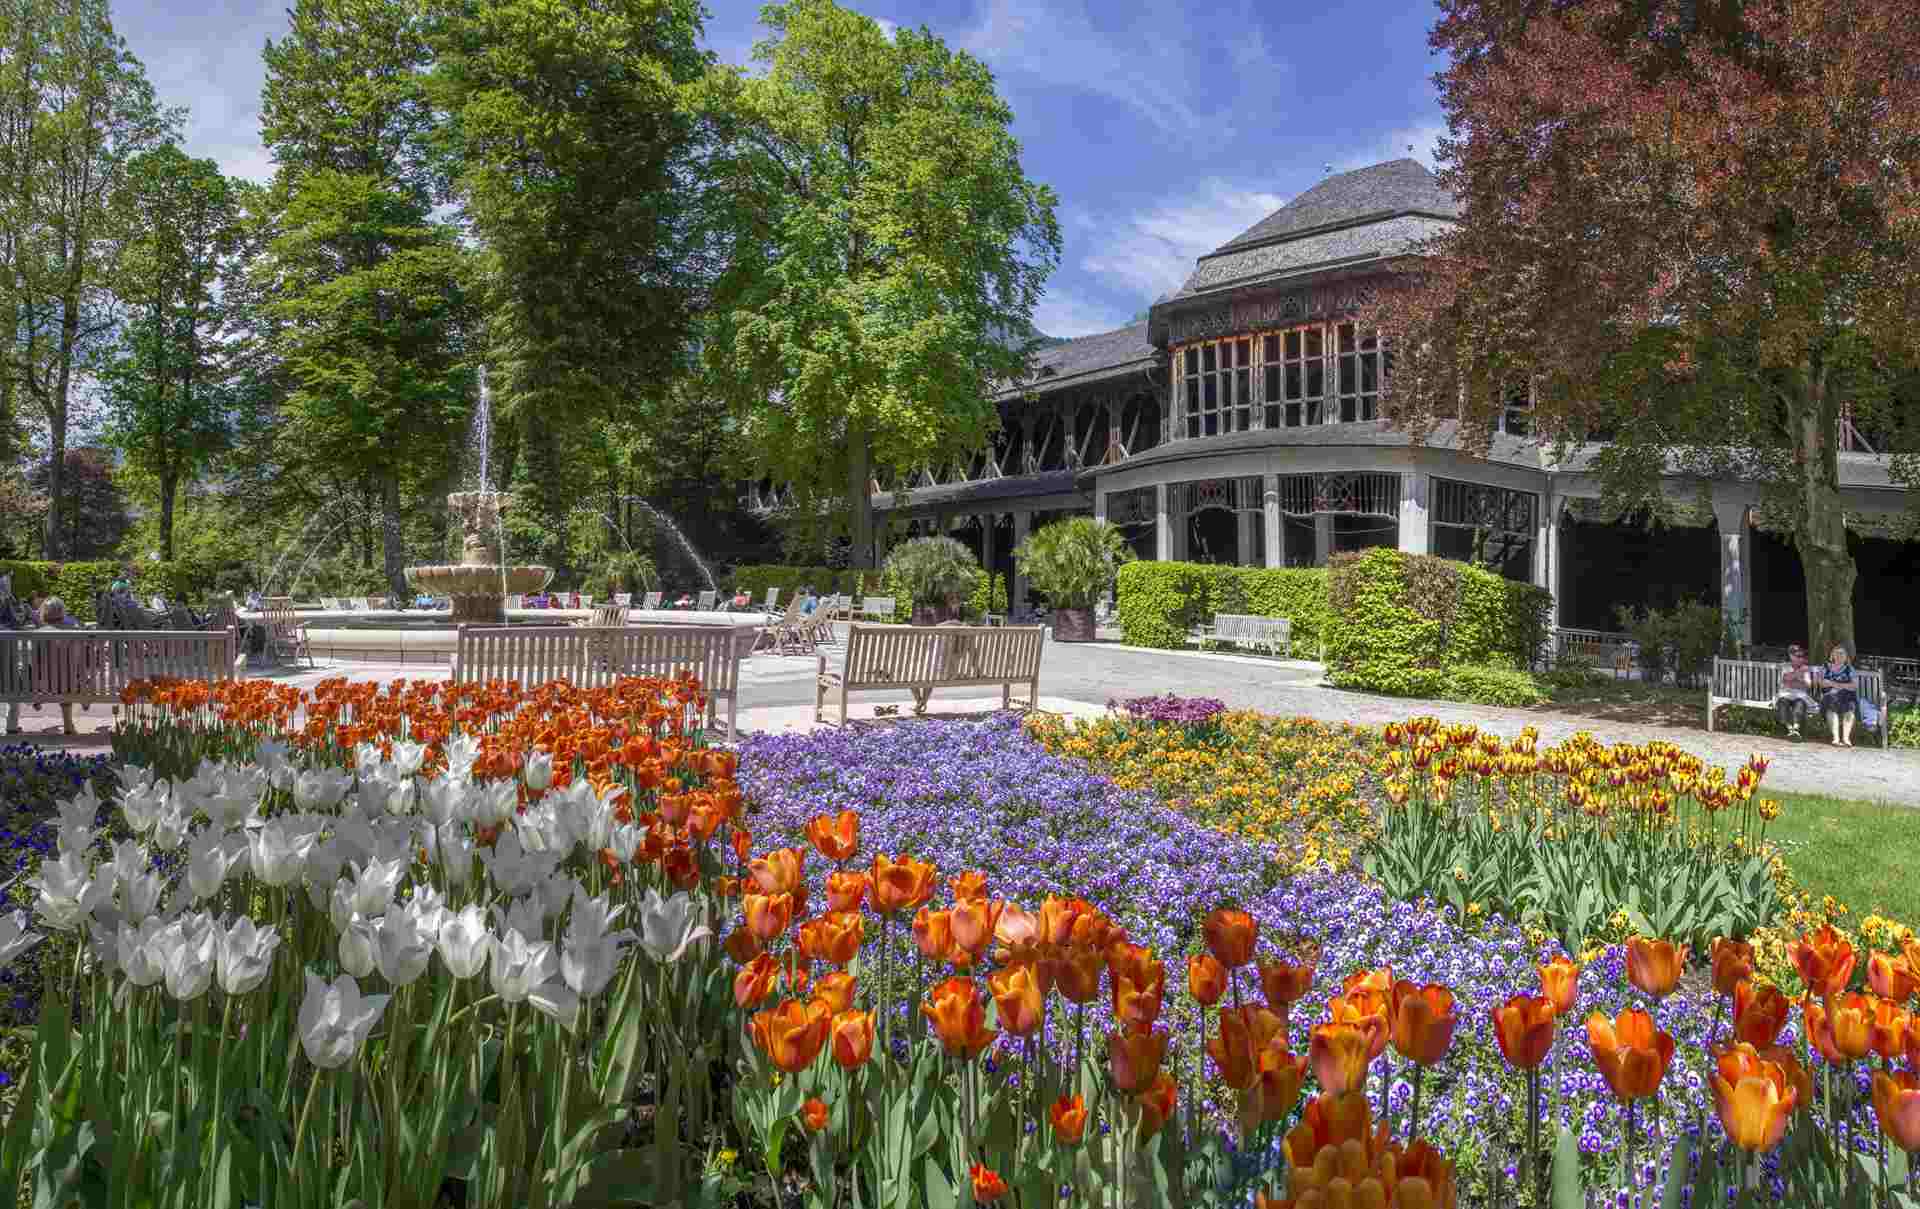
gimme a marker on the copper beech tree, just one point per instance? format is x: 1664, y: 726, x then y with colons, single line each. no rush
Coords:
x: 1690, y: 226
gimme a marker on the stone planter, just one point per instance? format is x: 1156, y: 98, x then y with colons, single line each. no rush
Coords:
x: 936, y: 614
x: 1073, y: 625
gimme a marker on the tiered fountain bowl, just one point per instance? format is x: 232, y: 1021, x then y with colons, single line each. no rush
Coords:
x: 480, y: 584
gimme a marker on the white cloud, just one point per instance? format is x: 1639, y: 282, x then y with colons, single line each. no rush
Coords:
x: 1151, y: 251
x: 1067, y: 313
x: 1155, y: 64
x: 886, y: 27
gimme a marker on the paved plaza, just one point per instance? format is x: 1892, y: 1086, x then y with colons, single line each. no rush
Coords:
x: 776, y: 695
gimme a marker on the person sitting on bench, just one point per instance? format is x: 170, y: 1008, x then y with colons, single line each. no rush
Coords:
x: 53, y: 616
x: 1796, y: 691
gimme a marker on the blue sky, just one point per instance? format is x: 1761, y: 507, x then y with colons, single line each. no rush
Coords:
x: 1166, y: 127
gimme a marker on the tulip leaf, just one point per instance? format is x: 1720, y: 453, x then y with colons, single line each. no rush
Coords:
x: 1679, y: 1177
x: 939, y: 1190
x: 617, y: 1177
x: 1566, y: 1172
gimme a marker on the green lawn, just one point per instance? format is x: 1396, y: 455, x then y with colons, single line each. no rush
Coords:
x: 1865, y: 854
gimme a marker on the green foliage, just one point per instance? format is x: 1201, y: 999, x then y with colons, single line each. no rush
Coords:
x: 1161, y: 602
x: 1685, y: 874
x: 1409, y: 622
x: 754, y: 580
x: 624, y: 572
x: 1680, y: 640
x: 884, y: 235
x: 989, y: 595
x: 933, y: 570
x: 1072, y: 562
x: 1904, y: 727
x: 76, y: 583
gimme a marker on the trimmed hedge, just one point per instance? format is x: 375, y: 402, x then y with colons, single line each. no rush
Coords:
x: 757, y: 579
x: 1160, y: 602
x: 77, y: 583
x: 1410, y: 622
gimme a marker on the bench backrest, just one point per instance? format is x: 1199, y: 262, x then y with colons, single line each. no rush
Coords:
x: 610, y: 615
x: 1254, y: 628
x: 79, y: 665
x: 589, y: 656
x: 877, y: 606
x: 890, y: 655
x: 1752, y: 682
x: 710, y: 652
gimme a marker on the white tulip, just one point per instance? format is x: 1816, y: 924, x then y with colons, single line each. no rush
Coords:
x: 408, y: 757
x: 668, y: 927
x: 321, y: 788
x: 463, y: 750
x: 523, y: 915
x: 465, y: 944
x: 142, y: 804
x: 520, y: 965
x: 516, y: 870
x: 539, y: 770
x: 209, y: 860
x: 357, y: 945
x: 445, y: 800
x: 375, y: 882
x: 78, y: 814
x: 555, y: 893
x: 134, y: 779
x: 494, y: 804
x: 401, y: 948
x: 279, y: 850
x: 556, y: 1000
x: 129, y: 860
x: 14, y: 937
x: 170, y: 826
x: 339, y: 905
x: 235, y: 800
x: 429, y: 907
x: 190, y: 947
x: 139, y: 953
x: 455, y: 854
x: 69, y: 892
x: 140, y: 896
x: 246, y: 956
x: 271, y: 755
x: 335, y: 1020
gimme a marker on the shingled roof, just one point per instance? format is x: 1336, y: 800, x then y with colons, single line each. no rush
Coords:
x: 1090, y: 358
x: 1402, y: 186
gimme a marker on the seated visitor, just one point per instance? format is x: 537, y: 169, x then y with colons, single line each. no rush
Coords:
x: 741, y: 600
x: 685, y: 602
x: 810, y: 603
x: 46, y: 662
x: 1796, y: 691
x: 1835, y: 681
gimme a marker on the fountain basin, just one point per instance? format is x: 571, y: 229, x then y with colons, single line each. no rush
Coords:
x: 479, y: 591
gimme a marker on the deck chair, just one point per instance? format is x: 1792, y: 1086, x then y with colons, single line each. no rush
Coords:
x: 623, y: 599
x: 768, y: 605
x: 788, y: 635
x: 705, y: 603
x: 650, y: 601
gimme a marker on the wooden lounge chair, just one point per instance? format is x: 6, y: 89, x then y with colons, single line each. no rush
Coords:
x: 650, y: 601
x: 705, y: 603
x: 789, y: 635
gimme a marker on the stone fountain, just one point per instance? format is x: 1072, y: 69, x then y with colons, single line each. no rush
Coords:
x: 481, y: 584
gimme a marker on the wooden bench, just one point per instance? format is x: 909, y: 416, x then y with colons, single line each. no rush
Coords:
x: 606, y: 616
x: 1243, y: 629
x: 1599, y: 647
x: 92, y: 667
x: 923, y: 658
x: 1756, y: 684
x: 592, y: 657
x: 286, y: 633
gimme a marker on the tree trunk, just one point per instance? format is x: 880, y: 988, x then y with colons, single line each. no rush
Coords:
x: 859, y: 505
x: 52, y: 547
x: 1821, y: 530
x: 393, y: 546
x: 169, y: 484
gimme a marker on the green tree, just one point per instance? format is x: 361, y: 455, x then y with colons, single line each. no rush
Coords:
x: 166, y: 379
x: 1690, y: 226
x: 367, y: 293
x: 575, y: 162
x: 884, y: 234
x: 75, y: 110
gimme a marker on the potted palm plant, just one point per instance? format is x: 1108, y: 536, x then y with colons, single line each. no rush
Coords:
x: 936, y: 573
x: 1072, y: 562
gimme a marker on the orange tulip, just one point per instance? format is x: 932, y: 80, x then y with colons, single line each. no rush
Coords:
x: 834, y: 938
x: 1655, y: 965
x: 1755, y: 1097
x: 1018, y: 934
x: 1057, y: 916
x: 753, y: 982
x: 1911, y: 1042
x: 1378, y: 980
x: 1896, y: 1104
x: 1423, y: 1021
x: 1887, y: 1030
x: 1630, y: 1052
x: 1424, y: 1179
x: 1732, y: 964
x: 1128, y: 960
x: 814, y: 1114
x: 742, y: 945
x: 1276, y: 1087
x: 845, y: 891
x: 1244, y: 1032
x: 1133, y: 1059
x: 933, y: 933
x: 782, y: 871
x: 1230, y: 935
x: 987, y: 1187
x: 836, y: 990
x: 1157, y: 1103
x: 1366, y: 1011
x: 899, y: 884
x: 1075, y: 970
x: 1560, y: 983
x: 1820, y: 1029
x: 1824, y: 959
x: 972, y: 922
x: 1759, y: 1013
x: 959, y: 1017
x: 768, y: 914
x: 852, y: 1034
x: 1340, y: 1057
x: 794, y: 1034
x: 1332, y: 1119
x: 1523, y: 1026
x: 1069, y: 1118
x: 742, y: 845
x: 1890, y: 977
x: 1284, y: 983
x: 1020, y: 998
x: 1206, y: 979
x: 968, y: 886
x: 1850, y: 1021
x: 837, y: 839
x: 1910, y: 949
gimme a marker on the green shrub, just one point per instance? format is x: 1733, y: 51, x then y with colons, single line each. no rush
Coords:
x: 1072, y: 562
x: 933, y: 570
x: 1404, y: 619
x: 1905, y: 724
x: 1678, y: 640
x: 754, y: 580
x: 76, y: 583
x: 1296, y: 593
x: 989, y: 595
x: 1491, y: 685
x: 1160, y: 602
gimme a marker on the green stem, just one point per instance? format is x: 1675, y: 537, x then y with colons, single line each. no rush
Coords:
x: 1413, y: 1113
x: 1530, y: 1171
x: 300, y: 1130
